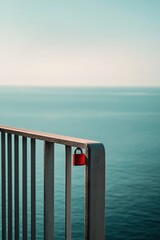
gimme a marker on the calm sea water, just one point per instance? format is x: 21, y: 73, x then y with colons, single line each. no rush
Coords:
x: 127, y: 121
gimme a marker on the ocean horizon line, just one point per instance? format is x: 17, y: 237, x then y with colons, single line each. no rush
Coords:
x: 74, y: 86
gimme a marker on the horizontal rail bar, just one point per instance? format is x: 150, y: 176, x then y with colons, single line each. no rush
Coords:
x: 60, y: 139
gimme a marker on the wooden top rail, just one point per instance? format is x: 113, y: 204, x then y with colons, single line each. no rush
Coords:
x: 60, y: 139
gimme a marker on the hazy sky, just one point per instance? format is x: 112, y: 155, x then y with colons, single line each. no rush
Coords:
x: 80, y: 43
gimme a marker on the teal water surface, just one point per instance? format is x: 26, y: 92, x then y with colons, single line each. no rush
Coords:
x: 127, y: 122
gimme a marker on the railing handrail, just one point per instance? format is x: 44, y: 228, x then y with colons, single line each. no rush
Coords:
x: 55, y: 138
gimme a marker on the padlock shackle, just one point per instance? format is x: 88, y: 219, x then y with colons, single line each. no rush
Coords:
x: 78, y: 149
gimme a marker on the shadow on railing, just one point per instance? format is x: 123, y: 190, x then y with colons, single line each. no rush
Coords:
x: 94, y: 183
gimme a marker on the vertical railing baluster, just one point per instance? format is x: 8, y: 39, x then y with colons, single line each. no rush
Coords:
x: 68, y: 193
x: 33, y: 190
x: 9, y: 186
x: 48, y: 191
x: 3, y: 169
x: 16, y: 185
x: 24, y: 188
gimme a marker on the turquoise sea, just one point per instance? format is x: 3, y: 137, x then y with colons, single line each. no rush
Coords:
x: 127, y: 122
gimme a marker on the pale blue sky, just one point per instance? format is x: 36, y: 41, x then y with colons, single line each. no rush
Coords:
x: 80, y: 43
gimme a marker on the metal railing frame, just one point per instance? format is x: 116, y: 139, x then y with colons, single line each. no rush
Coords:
x: 94, y: 183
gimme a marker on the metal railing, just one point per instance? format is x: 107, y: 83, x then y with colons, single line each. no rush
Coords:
x: 94, y: 183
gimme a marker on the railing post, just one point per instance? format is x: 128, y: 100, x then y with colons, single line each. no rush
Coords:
x: 95, y: 192
x: 33, y: 189
x: 48, y: 191
x: 9, y: 186
x: 68, y: 174
x: 16, y: 186
x: 3, y: 172
x: 24, y: 189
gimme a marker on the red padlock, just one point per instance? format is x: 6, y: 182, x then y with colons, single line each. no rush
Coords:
x: 79, y: 159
